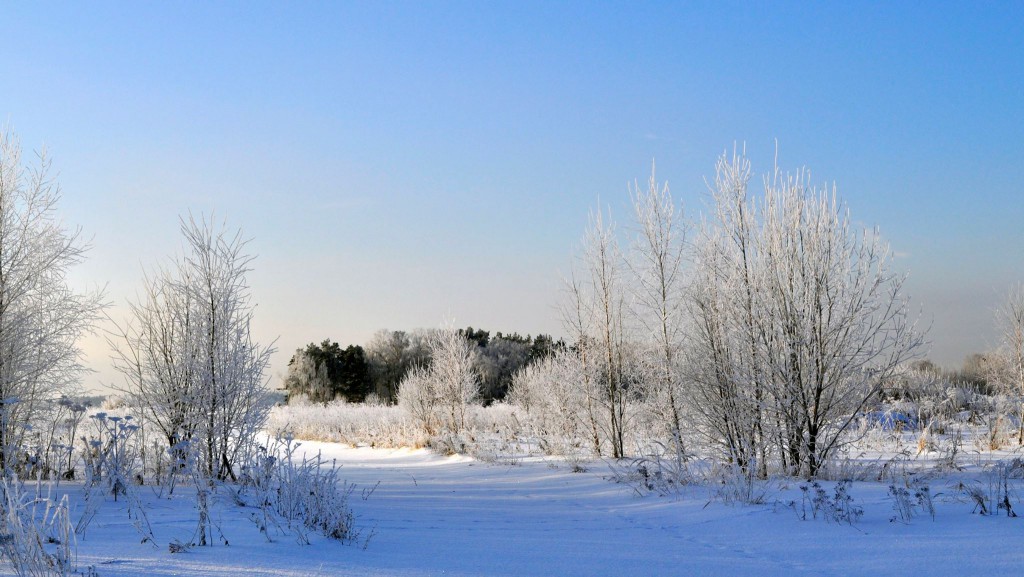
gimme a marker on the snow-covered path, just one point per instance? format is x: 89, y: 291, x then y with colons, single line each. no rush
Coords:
x: 435, y: 515
x: 454, y: 516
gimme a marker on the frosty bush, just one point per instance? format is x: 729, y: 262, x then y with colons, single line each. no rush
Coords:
x: 35, y: 531
x: 418, y: 399
x: 298, y: 492
x: 662, y: 473
x: 909, y: 499
x: 992, y: 494
x: 552, y: 394
x: 735, y: 484
x: 838, y: 507
x: 352, y: 424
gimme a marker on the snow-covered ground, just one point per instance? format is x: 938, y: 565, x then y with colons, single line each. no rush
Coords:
x: 435, y: 515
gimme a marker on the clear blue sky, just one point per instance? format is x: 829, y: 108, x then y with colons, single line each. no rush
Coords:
x: 400, y: 163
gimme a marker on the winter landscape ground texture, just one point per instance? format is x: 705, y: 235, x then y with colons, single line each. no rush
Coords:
x: 427, y: 514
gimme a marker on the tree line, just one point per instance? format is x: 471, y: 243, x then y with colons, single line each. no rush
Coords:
x: 320, y: 373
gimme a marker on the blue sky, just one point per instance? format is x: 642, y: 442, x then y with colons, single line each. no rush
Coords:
x: 400, y: 163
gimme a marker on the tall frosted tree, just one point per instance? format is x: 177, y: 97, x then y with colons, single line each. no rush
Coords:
x: 724, y: 361
x: 801, y: 320
x: 658, y: 258
x: 577, y: 321
x: 839, y: 324
x: 41, y: 316
x: 454, y: 376
x: 188, y: 354
x: 595, y: 316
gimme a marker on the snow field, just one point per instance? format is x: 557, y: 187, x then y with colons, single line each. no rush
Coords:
x: 435, y: 515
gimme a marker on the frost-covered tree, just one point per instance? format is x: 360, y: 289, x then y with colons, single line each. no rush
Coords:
x: 188, y: 355
x: 41, y: 316
x: 385, y: 355
x: 595, y: 316
x: 307, y: 379
x: 724, y: 360
x: 800, y: 320
x: 553, y: 395
x: 720, y: 396
x: 576, y: 319
x: 391, y: 355
x: 659, y: 299
x: 439, y: 396
x: 1009, y: 365
x: 154, y: 354
x: 838, y: 324
x: 453, y: 375
x: 418, y: 397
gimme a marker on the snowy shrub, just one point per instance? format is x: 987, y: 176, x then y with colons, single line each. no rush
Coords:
x: 488, y: 429
x: 991, y: 495
x: 554, y: 397
x: 909, y: 499
x: 418, y: 399
x: 847, y: 466
x: 298, y: 492
x: 448, y: 443
x: 734, y: 484
x: 35, y: 531
x: 960, y: 398
x: 660, y: 473
x: 496, y: 434
x: 352, y: 424
x: 113, y: 402
x: 838, y: 507
x: 999, y: 427
x: 663, y: 469
x: 110, y: 467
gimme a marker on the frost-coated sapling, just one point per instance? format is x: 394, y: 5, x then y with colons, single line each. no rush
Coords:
x: 188, y: 356
x: 657, y: 260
